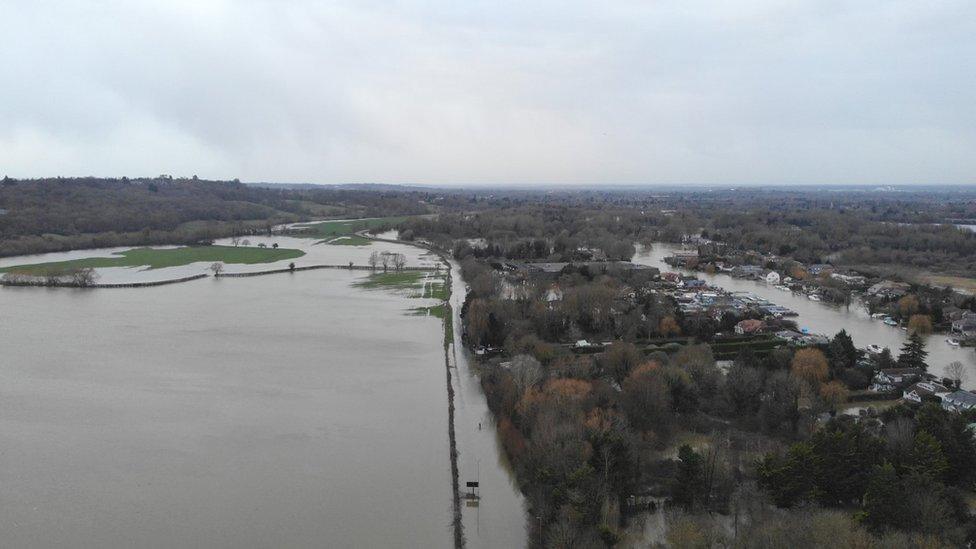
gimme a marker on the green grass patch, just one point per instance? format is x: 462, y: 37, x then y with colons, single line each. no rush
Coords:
x: 328, y: 229
x: 436, y: 289
x: 347, y: 240
x: 156, y: 258
x: 440, y: 311
x: 403, y: 280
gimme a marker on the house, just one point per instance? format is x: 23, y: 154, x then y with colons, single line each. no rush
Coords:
x: 889, y: 289
x: 894, y: 378
x: 814, y: 339
x: 771, y: 277
x: 849, y: 279
x: 790, y: 336
x: 554, y: 293
x: 922, y: 389
x: 682, y: 258
x: 951, y: 313
x: 818, y: 268
x: 671, y: 277
x: 747, y: 271
x: 957, y: 401
x: 691, y: 282
x: 750, y: 326
x: 965, y: 323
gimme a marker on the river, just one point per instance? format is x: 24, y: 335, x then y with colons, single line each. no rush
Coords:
x: 290, y: 410
x: 829, y: 319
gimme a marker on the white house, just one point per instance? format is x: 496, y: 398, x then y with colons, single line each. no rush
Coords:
x: 958, y: 401
x: 916, y: 392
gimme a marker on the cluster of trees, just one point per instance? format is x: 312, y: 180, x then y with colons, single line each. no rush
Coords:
x: 81, y: 277
x: 387, y: 261
x: 911, y: 474
x: 592, y: 303
x: 56, y: 214
x: 553, y: 232
x: 584, y: 431
x: 856, y: 230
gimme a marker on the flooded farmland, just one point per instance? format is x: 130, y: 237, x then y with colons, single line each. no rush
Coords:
x: 291, y: 410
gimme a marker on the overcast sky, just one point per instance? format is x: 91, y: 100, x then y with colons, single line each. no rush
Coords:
x: 469, y: 92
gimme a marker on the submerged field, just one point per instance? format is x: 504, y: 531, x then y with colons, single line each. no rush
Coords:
x: 158, y: 258
x: 347, y: 240
x: 421, y: 284
x: 329, y: 229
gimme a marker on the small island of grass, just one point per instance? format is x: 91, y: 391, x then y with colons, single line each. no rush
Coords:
x: 158, y: 258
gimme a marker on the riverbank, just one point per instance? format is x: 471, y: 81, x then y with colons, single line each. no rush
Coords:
x: 824, y: 318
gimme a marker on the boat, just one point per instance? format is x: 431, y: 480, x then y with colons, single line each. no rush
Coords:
x: 874, y: 349
x: 782, y: 288
x: 890, y: 321
x: 952, y: 341
x: 878, y: 316
x: 813, y: 297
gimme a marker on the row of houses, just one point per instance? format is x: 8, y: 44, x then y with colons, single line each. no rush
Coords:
x: 916, y: 385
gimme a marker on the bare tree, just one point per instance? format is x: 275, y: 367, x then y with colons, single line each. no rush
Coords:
x: 374, y: 259
x: 245, y: 242
x: 385, y: 260
x: 526, y: 372
x: 956, y: 371
x: 235, y: 240
x: 399, y: 261
x: 84, y: 277
x: 217, y: 268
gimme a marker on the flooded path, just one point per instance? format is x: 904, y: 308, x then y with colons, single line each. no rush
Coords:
x: 498, y: 519
x: 828, y: 319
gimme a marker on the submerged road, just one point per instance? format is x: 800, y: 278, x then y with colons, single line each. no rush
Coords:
x: 498, y: 519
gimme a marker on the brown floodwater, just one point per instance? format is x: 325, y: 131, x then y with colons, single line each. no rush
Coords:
x: 288, y: 410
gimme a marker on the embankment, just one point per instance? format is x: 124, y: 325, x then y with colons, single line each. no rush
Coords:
x: 69, y: 284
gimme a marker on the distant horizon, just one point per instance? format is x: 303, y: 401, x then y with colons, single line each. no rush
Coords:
x: 567, y: 94
x: 532, y: 185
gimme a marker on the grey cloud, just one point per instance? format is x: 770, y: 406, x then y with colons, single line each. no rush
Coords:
x: 492, y: 92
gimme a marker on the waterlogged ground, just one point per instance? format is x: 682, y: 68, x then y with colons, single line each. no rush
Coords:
x: 160, y: 258
x: 315, y: 253
x: 278, y: 411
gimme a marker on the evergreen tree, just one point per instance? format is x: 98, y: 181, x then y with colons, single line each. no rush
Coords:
x: 883, y: 500
x: 884, y: 360
x: 690, y: 480
x: 913, y: 353
x: 843, y: 353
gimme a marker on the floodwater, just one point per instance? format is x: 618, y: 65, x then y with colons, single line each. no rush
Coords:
x: 315, y: 254
x: 289, y: 410
x: 498, y: 518
x: 829, y: 319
